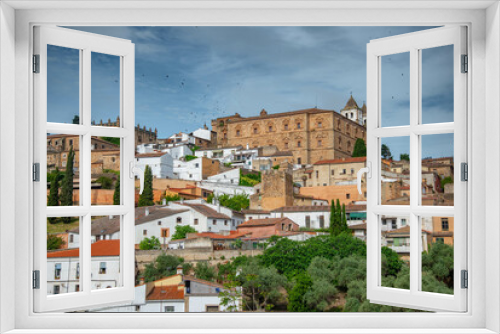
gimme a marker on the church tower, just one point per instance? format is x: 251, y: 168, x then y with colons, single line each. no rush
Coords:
x: 353, y: 112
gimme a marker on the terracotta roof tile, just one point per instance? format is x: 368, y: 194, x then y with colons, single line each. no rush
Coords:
x: 168, y: 292
x: 206, y: 211
x: 358, y: 227
x: 98, y: 248
x: 150, y: 155
x: 263, y: 222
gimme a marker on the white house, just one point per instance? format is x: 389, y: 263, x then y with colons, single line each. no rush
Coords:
x: 243, y: 158
x: 161, y: 163
x: 204, y: 217
x: 147, y: 148
x: 231, y: 176
x: 203, y: 133
x: 63, y: 268
x: 219, y: 188
x: 181, y: 138
x: 217, y: 153
x: 178, y: 151
x: 189, y: 170
x: 176, y: 293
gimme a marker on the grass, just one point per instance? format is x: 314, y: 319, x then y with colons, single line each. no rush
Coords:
x: 61, y: 227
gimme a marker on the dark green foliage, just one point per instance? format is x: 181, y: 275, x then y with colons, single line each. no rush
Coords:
x: 323, y: 290
x: 163, y: 266
x: 438, y: 261
x: 116, y: 194
x: 391, y: 263
x: 54, y: 242
x: 146, y: 198
x: 112, y: 140
x: 205, y: 271
x: 234, y: 202
x: 182, y: 231
x: 187, y: 268
x: 189, y: 157
x: 149, y: 243
x: 386, y: 152
x: 106, y: 182
x: 210, y: 198
x: 76, y: 119
x: 53, y: 199
x: 296, y: 298
x: 338, y: 220
x: 446, y: 180
x: 249, y: 180
x: 404, y: 156
x: 111, y: 171
x: 293, y: 257
x: 195, y: 148
x: 359, y: 148
x: 66, y: 196
x: 276, y: 167
x: 172, y: 198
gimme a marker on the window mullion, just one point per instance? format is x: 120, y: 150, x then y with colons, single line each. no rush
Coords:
x: 414, y: 169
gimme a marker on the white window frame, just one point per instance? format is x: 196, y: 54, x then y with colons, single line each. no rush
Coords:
x: 483, y: 103
x: 412, y: 44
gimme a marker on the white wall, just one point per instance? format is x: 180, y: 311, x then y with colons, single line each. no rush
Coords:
x: 154, y: 227
x: 231, y: 176
x: 300, y: 217
x: 179, y: 151
x: 226, y: 152
x: 203, y: 133
x: 188, y: 170
x: 161, y: 167
x: 199, y: 303
x: 219, y: 188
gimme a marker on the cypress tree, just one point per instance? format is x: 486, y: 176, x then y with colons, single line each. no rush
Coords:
x: 332, y: 218
x: 338, y: 219
x: 146, y: 198
x: 53, y: 199
x: 345, y: 228
x: 359, y: 148
x: 116, y: 195
x: 67, y: 184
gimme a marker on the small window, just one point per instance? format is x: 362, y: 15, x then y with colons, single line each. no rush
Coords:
x: 71, y: 238
x: 57, y: 289
x: 77, y: 287
x: 196, y: 221
x: 320, y: 124
x: 317, y: 174
x: 179, y: 220
x: 57, y: 271
x: 299, y: 144
x: 144, y: 232
x: 348, y: 196
x: 255, y: 130
x: 299, y: 161
x: 320, y: 143
x: 169, y: 309
x: 440, y: 240
x: 165, y: 232
x: 321, y: 221
x: 102, y: 268
x: 352, y: 171
x: 214, y: 222
x: 237, y: 133
x: 298, y: 125
x: 403, y: 221
x: 286, y: 126
x: 394, y: 224
x: 270, y: 129
x: 308, y: 221
x: 225, y: 222
x: 197, y: 165
x: 286, y: 145
x: 159, y: 222
x: 333, y: 172
x: 444, y: 224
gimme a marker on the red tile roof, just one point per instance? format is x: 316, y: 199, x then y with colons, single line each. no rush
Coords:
x: 263, y: 222
x: 358, y: 227
x: 206, y: 211
x: 212, y: 235
x: 168, y: 292
x: 150, y: 155
x: 98, y: 248
x: 341, y: 161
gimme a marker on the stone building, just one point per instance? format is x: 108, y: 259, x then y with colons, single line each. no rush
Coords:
x: 311, y: 134
x: 142, y: 135
x: 276, y: 190
x: 104, y: 155
x: 353, y: 112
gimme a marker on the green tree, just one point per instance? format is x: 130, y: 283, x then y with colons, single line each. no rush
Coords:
x: 323, y: 290
x: 297, y: 296
x: 182, y: 231
x: 359, y: 148
x: 438, y: 261
x: 204, y: 271
x: 391, y: 263
x: 404, y: 156
x: 150, y: 243
x: 106, y: 182
x: 116, y: 194
x: 210, y: 198
x: 53, y: 199
x: 386, y: 152
x: 172, y: 198
x: 235, y: 202
x: 162, y: 266
x: 76, y: 119
x: 338, y: 219
x: 146, y: 198
x: 54, y: 242
x: 66, y: 197
x: 230, y: 295
x: 446, y: 180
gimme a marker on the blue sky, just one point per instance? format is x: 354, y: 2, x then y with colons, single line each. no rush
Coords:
x: 186, y: 76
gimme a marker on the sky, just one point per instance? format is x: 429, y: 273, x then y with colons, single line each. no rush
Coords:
x: 187, y: 76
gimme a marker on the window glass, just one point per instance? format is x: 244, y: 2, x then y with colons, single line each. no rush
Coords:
x: 106, y: 83
x: 395, y: 91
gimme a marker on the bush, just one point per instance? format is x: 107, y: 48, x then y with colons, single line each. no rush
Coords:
x: 182, y: 231
x: 205, y: 272
x: 189, y: 157
x: 106, y: 182
x: 54, y: 242
x: 162, y: 266
x: 150, y: 243
x: 235, y: 202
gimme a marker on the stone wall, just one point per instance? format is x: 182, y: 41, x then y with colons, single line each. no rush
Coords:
x: 346, y: 193
x: 143, y: 257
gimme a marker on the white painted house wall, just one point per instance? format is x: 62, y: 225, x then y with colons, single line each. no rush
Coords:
x: 179, y: 151
x: 161, y: 167
x: 300, y: 217
x: 217, y: 153
x: 154, y: 227
x: 219, y: 188
x: 188, y: 170
x: 203, y: 134
x: 231, y: 176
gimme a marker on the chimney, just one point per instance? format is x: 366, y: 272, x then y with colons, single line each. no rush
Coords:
x: 164, y: 201
x: 141, y: 280
x: 218, y: 206
x: 146, y: 213
x: 179, y: 270
x: 248, y: 146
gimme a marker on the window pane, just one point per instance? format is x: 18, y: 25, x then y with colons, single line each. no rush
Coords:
x: 63, y: 170
x: 437, y: 254
x: 63, y: 85
x: 395, y: 91
x: 437, y: 84
x: 105, y: 248
x: 105, y: 89
x: 395, y: 171
x: 105, y: 169
x: 63, y: 255
x: 437, y: 170
x: 395, y: 242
